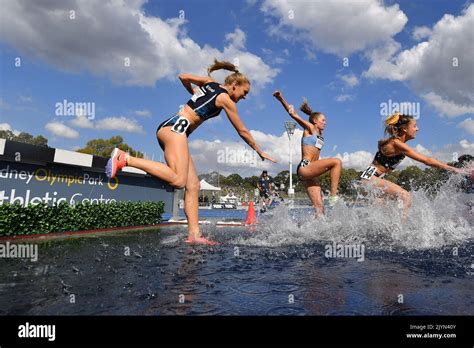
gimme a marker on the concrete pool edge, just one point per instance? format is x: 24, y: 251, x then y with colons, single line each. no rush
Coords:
x: 54, y: 235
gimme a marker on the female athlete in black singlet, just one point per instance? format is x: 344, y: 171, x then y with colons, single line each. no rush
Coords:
x: 391, y: 151
x: 208, y: 99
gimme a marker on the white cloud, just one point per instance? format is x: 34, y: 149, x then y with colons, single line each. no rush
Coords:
x: 82, y: 122
x: 446, y: 107
x: 61, y: 130
x: 349, y: 80
x: 245, y: 161
x: 344, y: 97
x: 143, y: 113
x: 440, y: 69
x: 420, y: 33
x: 358, y: 160
x: 423, y: 150
x: 334, y: 26
x: 7, y: 127
x: 467, y: 146
x: 467, y: 125
x: 237, y: 38
x: 206, y: 155
x: 119, y: 124
x: 154, y: 48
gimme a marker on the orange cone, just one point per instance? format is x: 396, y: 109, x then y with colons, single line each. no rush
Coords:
x: 251, y: 215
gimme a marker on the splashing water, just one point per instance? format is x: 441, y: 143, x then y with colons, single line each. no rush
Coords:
x: 434, y: 221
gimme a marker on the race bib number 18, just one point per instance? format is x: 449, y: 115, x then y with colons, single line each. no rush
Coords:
x: 181, y: 125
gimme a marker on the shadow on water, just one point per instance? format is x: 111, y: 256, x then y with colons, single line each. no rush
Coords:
x: 281, y: 267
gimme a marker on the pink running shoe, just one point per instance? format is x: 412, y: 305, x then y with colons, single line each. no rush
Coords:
x: 201, y: 240
x: 115, y: 163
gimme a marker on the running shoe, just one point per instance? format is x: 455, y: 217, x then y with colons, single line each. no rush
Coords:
x: 332, y: 200
x: 115, y: 163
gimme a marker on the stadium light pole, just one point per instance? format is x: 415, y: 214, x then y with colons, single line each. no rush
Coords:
x: 290, y: 130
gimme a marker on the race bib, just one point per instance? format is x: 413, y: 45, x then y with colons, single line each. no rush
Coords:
x: 198, y: 94
x: 368, y: 173
x: 181, y: 125
x: 319, y: 143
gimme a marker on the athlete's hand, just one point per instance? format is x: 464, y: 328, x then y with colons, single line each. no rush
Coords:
x: 264, y: 156
x: 277, y: 94
x: 463, y: 171
x: 468, y: 172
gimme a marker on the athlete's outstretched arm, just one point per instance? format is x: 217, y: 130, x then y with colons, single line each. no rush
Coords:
x: 231, y: 111
x: 188, y: 79
x: 429, y: 161
x: 291, y: 111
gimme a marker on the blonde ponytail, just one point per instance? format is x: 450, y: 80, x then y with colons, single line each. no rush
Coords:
x: 308, y: 111
x: 236, y: 77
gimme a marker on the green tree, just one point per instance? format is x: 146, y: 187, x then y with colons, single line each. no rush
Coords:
x: 282, y: 177
x: 348, y: 177
x: 251, y: 182
x: 103, y: 147
x: 393, y: 176
x: 411, y: 178
x: 24, y: 137
x: 434, y: 178
x: 234, y: 180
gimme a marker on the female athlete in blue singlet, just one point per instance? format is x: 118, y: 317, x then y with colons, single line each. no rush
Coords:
x: 208, y: 99
x: 311, y: 167
x: 391, y: 151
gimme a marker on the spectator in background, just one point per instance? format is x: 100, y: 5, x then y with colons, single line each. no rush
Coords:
x: 264, y: 185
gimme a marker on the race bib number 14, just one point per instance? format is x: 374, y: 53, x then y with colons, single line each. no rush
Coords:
x: 368, y: 173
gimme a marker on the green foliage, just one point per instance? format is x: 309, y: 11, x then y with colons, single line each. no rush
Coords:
x: 348, y: 177
x: 103, y: 147
x: 24, y: 137
x: 282, y: 178
x: 41, y: 218
x: 411, y: 178
x: 233, y: 180
x: 393, y: 176
x: 251, y: 182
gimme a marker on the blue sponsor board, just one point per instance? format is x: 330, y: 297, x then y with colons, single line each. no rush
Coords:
x: 47, y: 181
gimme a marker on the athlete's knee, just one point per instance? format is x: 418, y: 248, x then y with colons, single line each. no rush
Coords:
x: 193, y: 185
x: 337, y: 162
x: 179, y: 183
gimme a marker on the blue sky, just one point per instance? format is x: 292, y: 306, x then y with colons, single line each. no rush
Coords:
x: 64, y: 60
